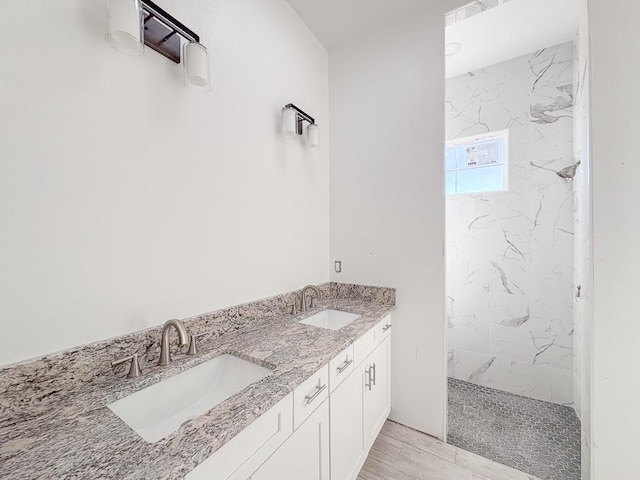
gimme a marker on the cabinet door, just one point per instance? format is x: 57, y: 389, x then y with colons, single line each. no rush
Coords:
x: 346, y: 427
x: 377, y: 392
x: 251, y: 447
x: 305, y: 455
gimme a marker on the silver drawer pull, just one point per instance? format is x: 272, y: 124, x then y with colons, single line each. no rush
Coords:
x: 344, y: 366
x: 367, y: 372
x: 319, y: 389
x: 386, y: 327
x: 373, y: 377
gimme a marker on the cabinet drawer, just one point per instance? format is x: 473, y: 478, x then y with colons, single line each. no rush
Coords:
x: 308, y: 396
x: 243, y: 454
x: 385, y: 327
x: 340, y: 367
x: 365, y: 345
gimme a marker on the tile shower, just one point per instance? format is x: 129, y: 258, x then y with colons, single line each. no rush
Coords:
x: 510, y: 254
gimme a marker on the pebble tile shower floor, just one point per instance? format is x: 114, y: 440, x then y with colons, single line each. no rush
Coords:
x: 539, y: 438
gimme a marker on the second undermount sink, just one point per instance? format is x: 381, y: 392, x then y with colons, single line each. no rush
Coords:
x: 330, y: 319
x: 156, y: 411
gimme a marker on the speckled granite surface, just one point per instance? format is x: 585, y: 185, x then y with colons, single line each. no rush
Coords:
x: 54, y: 422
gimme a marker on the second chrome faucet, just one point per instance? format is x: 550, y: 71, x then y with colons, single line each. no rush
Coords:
x: 302, y: 299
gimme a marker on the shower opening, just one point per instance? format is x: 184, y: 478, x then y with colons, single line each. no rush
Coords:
x: 514, y: 180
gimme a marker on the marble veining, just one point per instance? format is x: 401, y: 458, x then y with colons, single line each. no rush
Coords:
x: 510, y: 253
x: 54, y: 422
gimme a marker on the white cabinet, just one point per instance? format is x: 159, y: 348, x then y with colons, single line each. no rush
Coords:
x: 361, y: 404
x: 346, y: 428
x: 237, y: 459
x: 377, y: 391
x: 341, y: 367
x: 321, y: 431
x: 385, y: 327
x: 366, y: 344
x: 308, y: 396
x: 305, y: 455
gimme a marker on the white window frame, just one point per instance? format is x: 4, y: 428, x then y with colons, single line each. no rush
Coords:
x: 469, y: 141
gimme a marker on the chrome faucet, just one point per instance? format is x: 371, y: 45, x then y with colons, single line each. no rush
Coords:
x: 303, y: 297
x: 183, y: 337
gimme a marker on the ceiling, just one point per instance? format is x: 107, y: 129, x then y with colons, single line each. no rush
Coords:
x: 516, y: 28
x: 335, y: 21
x: 509, y: 31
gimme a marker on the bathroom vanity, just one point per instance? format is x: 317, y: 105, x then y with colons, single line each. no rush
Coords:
x: 323, y: 429
x: 316, y: 401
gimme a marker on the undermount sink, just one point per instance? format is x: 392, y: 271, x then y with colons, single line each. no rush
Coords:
x: 330, y: 319
x: 156, y: 411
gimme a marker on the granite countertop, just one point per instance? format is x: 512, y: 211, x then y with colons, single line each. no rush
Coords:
x: 77, y: 436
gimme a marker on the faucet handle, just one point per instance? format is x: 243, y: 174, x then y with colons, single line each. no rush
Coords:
x: 294, y: 305
x: 134, y: 368
x: 192, y: 343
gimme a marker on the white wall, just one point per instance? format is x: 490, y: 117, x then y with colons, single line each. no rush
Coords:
x: 126, y: 199
x: 583, y: 245
x: 387, y: 202
x: 615, y: 123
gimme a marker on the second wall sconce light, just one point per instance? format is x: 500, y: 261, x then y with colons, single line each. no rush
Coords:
x: 292, y: 123
x: 135, y: 23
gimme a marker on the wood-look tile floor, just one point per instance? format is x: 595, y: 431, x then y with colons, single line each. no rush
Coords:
x: 401, y: 453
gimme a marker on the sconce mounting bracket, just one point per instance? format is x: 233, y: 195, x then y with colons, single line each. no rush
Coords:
x: 301, y: 117
x: 162, y: 31
x: 161, y: 39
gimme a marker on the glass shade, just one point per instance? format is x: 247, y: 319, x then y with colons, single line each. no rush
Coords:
x: 313, y: 136
x: 196, y: 66
x: 124, y: 26
x: 289, y: 122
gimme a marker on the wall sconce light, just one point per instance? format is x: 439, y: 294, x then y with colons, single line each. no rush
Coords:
x: 292, y: 124
x: 135, y: 23
x: 124, y: 24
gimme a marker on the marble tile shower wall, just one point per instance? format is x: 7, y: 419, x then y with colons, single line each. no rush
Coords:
x: 510, y: 253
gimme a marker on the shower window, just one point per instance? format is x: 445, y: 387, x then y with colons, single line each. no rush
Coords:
x: 477, y: 164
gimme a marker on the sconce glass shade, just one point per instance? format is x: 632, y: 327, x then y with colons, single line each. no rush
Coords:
x: 289, y: 122
x: 124, y: 23
x: 196, y: 66
x: 313, y: 135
